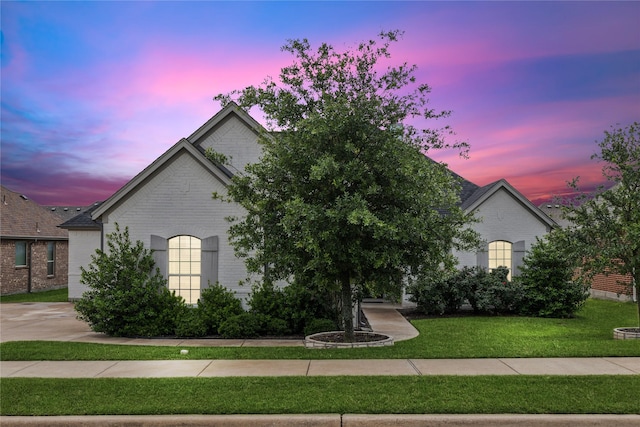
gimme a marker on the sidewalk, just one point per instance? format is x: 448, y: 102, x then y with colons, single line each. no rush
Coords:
x: 312, y: 367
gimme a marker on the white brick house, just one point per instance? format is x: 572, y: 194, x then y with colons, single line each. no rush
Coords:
x: 169, y: 207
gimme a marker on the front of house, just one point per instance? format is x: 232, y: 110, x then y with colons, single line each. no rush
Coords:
x: 169, y: 207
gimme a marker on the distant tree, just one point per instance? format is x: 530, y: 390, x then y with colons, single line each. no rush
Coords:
x: 605, y: 231
x: 344, y: 197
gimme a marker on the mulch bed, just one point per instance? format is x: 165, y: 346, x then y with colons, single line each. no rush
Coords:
x: 358, y: 337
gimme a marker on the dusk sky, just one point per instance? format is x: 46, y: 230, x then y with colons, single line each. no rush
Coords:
x: 93, y: 92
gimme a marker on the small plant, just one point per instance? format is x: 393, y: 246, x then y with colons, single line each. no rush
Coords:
x: 126, y: 296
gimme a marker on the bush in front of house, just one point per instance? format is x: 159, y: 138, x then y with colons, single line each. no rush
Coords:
x: 438, y: 293
x: 216, y: 304
x: 294, y: 304
x: 486, y: 292
x: 494, y: 293
x: 252, y: 325
x: 190, y: 324
x: 127, y: 297
x: 547, y: 279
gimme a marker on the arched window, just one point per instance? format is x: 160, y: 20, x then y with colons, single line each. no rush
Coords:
x: 500, y: 255
x: 184, y: 267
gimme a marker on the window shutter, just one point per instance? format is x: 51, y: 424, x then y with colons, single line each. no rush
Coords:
x: 518, y: 255
x: 482, y: 257
x: 209, y: 272
x: 159, y: 248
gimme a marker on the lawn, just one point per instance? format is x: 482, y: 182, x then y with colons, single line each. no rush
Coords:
x: 589, y: 334
x: 298, y: 395
x: 57, y: 295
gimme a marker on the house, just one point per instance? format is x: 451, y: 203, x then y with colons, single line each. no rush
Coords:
x: 169, y: 207
x: 508, y: 225
x: 34, y: 251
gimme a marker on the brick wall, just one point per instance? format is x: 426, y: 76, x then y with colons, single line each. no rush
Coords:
x: 611, y: 283
x: 15, y: 280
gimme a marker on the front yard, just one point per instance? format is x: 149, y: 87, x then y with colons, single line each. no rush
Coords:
x: 587, y: 335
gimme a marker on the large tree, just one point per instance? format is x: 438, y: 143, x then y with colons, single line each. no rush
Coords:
x: 343, y: 197
x: 605, y: 230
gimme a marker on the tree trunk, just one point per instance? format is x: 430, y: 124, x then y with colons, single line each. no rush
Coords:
x: 347, y: 310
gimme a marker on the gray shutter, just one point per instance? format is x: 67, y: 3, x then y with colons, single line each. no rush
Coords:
x: 159, y: 248
x: 518, y: 255
x: 482, y: 256
x: 209, y: 272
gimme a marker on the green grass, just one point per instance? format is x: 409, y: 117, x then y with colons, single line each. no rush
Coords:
x: 589, y: 334
x: 303, y: 395
x: 57, y: 295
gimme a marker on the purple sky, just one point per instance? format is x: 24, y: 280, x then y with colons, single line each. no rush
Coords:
x: 93, y: 92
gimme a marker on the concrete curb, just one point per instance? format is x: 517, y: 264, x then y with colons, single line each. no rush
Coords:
x: 329, y: 420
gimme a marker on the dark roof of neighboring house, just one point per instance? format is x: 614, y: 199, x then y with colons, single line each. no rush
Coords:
x: 554, y: 211
x: 83, y: 220
x: 65, y: 213
x: 25, y: 219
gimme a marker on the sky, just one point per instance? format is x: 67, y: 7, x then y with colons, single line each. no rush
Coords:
x: 93, y: 92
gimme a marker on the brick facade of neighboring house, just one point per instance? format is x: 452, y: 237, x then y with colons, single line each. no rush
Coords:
x: 34, y: 252
x: 613, y: 286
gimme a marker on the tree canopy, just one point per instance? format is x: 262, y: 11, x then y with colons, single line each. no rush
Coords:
x: 344, y: 197
x: 605, y: 231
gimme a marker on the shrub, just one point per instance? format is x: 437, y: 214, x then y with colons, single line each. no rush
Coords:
x: 273, y: 326
x: 190, y: 324
x: 437, y: 293
x: 491, y: 292
x: 216, y: 304
x: 266, y: 299
x: 126, y: 297
x: 548, y: 284
x: 497, y: 295
x: 319, y: 325
x: 295, y: 304
x: 245, y: 325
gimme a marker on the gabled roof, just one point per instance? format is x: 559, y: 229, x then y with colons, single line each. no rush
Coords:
x: 130, y: 187
x: 482, y: 194
x: 230, y: 109
x: 25, y: 219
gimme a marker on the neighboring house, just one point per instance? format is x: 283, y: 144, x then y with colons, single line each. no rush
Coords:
x: 34, y: 251
x: 612, y: 286
x: 169, y: 207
